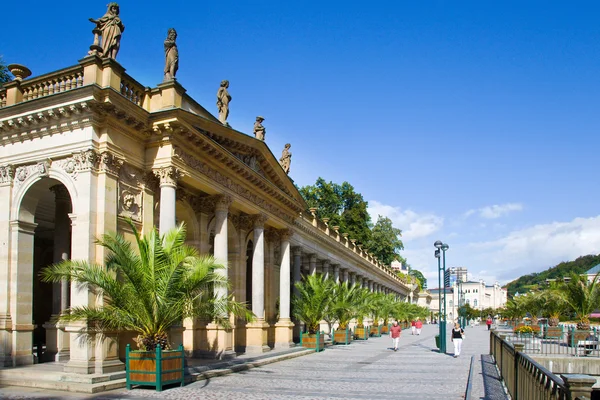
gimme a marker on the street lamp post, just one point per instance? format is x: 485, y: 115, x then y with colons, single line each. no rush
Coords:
x: 441, y: 275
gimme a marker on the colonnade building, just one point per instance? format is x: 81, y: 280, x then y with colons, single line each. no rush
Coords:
x: 87, y: 147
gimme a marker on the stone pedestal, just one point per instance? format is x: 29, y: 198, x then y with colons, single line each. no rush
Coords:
x: 580, y: 386
x: 107, y: 354
x: 219, y: 342
x: 256, y: 337
x: 284, y: 334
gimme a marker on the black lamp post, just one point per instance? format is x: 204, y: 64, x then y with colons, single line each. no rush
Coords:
x: 441, y: 278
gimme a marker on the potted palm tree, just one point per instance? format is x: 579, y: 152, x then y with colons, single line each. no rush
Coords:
x: 361, y: 332
x: 376, y: 310
x: 387, y: 310
x: 343, y: 308
x: 311, y: 305
x: 147, y: 287
x: 554, y: 307
x: 583, y: 298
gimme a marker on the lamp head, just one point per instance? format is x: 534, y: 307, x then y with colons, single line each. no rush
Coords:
x: 445, y: 247
x: 437, y: 253
x: 438, y: 244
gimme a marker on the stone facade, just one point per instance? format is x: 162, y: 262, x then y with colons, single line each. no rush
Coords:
x: 88, y: 146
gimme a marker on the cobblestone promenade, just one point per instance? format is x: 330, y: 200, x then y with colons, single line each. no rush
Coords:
x: 362, y: 370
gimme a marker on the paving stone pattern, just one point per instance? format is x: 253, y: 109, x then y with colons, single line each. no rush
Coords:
x: 363, y: 370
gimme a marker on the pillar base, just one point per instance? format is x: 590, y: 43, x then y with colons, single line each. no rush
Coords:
x: 80, y: 367
x: 256, y: 337
x: 284, y: 334
x: 218, y: 344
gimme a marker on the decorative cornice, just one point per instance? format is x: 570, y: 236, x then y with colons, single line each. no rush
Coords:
x: 203, y: 168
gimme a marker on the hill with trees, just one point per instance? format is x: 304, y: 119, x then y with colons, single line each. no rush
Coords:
x: 536, y: 280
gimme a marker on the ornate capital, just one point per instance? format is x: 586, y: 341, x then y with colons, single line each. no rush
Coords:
x: 285, y: 234
x: 326, y: 263
x: 110, y: 163
x: 312, y: 258
x: 7, y: 174
x: 259, y: 220
x: 222, y: 202
x: 168, y: 175
x: 297, y: 250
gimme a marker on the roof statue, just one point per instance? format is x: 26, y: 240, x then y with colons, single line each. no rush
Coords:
x: 286, y: 158
x: 110, y: 28
x: 223, y: 99
x: 259, y: 129
x: 171, y: 55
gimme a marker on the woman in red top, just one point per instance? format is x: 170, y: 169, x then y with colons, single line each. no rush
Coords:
x: 418, y: 325
x: 395, y: 331
x: 488, y: 322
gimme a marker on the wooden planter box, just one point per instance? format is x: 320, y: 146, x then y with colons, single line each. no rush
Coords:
x: 313, y: 341
x: 154, y: 368
x: 361, y: 333
x: 376, y: 331
x: 342, y: 336
x: 385, y: 329
x: 554, y: 332
x: 574, y: 337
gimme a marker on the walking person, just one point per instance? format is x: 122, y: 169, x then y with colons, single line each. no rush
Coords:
x: 413, y: 327
x: 458, y: 335
x: 488, y: 322
x: 395, y: 331
x: 419, y: 326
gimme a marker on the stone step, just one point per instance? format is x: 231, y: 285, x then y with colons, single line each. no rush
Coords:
x: 57, y: 376
x: 76, y: 387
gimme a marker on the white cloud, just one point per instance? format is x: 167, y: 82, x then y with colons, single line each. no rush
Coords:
x: 495, y: 211
x: 536, y: 248
x: 413, y: 225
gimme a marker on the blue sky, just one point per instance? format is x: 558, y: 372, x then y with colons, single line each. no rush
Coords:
x: 471, y: 122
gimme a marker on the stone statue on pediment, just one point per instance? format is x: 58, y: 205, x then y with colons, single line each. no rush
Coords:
x: 259, y: 129
x: 171, y: 55
x: 110, y: 28
x: 286, y: 158
x: 223, y: 99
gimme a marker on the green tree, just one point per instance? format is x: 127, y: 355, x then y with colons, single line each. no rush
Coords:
x: 313, y: 301
x: 149, y: 288
x: 342, y: 205
x: 5, y: 75
x: 582, y: 297
x: 385, y: 241
x: 419, y: 276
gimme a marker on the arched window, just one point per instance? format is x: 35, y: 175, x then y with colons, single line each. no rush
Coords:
x: 467, y: 301
x: 451, y: 304
x: 475, y: 303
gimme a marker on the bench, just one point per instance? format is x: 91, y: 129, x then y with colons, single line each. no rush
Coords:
x: 585, y: 347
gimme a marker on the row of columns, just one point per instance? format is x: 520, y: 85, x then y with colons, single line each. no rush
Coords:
x: 335, y: 271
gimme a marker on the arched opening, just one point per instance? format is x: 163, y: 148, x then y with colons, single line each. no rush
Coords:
x: 45, y: 209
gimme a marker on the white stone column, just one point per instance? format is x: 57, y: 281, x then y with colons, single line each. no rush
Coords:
x: 284, y: 327
x: 256, y: 332
x: 352, y: 280
x: 312, y: 264
x: 336, y: 273
x: 258, y: 268
x: 370, y: 285
x: 326, y: 268
x: 22, y: 292
x: 6, y: 179
x: 345, y: 276
x: 168, y: 185
x: 297, y: 250
x: 221, y: 252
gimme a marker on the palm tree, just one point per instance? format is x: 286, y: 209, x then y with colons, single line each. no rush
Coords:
x: 313, y: 301
x: 532, y: 303
x: 344, y: 301
x: 147, y: 288
x: 583, y: 298
x: 554, y: 305
x: 514, y: 309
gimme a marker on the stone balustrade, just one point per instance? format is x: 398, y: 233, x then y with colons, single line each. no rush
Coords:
x: 132, y: 90
x: 45, y: 85
x: 346, y: 241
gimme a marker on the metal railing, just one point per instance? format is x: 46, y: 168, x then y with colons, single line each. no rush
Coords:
x: 525, y: 379
x: 559, y: 340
